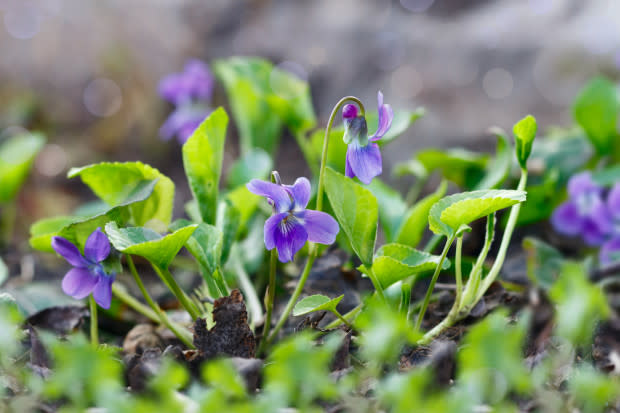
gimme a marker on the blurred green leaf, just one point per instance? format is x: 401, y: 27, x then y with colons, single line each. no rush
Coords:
x: 228, y: 221
x: 594, y: 391
x: 596, y: 110
x: 543, y: 262
x: 247, y: 84
x: 524, y: 132
x: 563, y: 153
x: 115, y: 182
x: 447, y: 215
x: 336, y: 150
x: 498, y: 169
x: 395, y: 262
x: 290, y: 98
x: 316, y: 302
x: 464, y: 168
x: 202, y: 160
x: 414, y: 223
x: 392, y: 207
x: 608, y: 176
x: 160, y: 251
x: 579, y: 304
x: 16, y: 157
x: 255, y: 164
x: 245, y: 203
x: 222, y: 376
x: 403, y: 119
x: 356, y: 210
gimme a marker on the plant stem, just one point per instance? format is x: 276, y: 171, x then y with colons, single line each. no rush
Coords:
x: 136, y: 305
x: 429, y: 292
x: 163, y: 318
x: 254, y: 306
x: 269, y: 299
x: 373, y: 278
x: 319, y: 207
x: 94, y: 324
x: 347, y: 316
x: 458, y: 274
x: 169, y: 280
x: 405, y: 297
x: 341, y: 318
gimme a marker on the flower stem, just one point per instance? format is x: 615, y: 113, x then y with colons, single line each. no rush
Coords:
x: 136, y: 305
x: 163, y: 318
x: 429, y: 292
x: 319, y: 207
x: 269, y: 299
x: 168, y: 279
x: 458, y: 274
x: 94, y: 325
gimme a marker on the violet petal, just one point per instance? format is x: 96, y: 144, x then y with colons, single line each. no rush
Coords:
x: 386, y: 115
x: 610, y: 252
x: 566, y: 219
x: 102, y: 292
x: 592, y: 233
x: 69, y: 252
x: 270, y: 228
x: 365, y: 161
x: 320, y: 226
x: 78, y: 283
x: 582, y: 183
x: 290, y: 236
x: 275, y: 192
x: 613, y: 201
x: 301, y: 192
x: 349, y: 111
x: 97, y: 247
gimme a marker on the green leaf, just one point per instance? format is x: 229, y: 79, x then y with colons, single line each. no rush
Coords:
x: 336, y: 150
x: 562, y: 152
x: 596, y: 110
x: 228, y: 220
x: 16, y: 157
x: 256, y: 164
x: 77, y: 229
x: 391, y: 207
x: 245, y: 203
x: 160, y: 251
x: 316, y: 302
x: 447, y: 215
x: 464, y: 168
x: 202, y: 160
x: 608, y: 176
x: 247, y: 83
x: 544, y: 262
x: 395, y: 262
x: 499, y: 168
x: 115, y: 182
x: 413, y: 225
x: 524, y: 132
x: 356, y: 210
x: 403, y: 119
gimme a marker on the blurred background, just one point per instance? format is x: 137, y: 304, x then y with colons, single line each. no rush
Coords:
x: 86, y: 73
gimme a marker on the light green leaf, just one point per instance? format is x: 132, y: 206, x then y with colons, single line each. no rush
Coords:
x: 316, y: 302
x: 247, y: 83
x: 392, y: 207
x: 395, y: 262
x: 202, y: 160
x: 336, y: 150
x: 544, y: 262
x: 114, y: 182
x: 447, y: 215
x: 356, y: 210
x: 160, y: 251
x: 413, y: 225
x: 256, y: 164
x: 596, y: 110
x: 464, y: 168
x: 228, y: 221
x: 403, y: 119
x: 245, y: 203
x: 291, y: 100
x: 608, y: 176
x: 77, y: 229
x: 524, y: 132
x: 498, y: 168
x: 16, y: 157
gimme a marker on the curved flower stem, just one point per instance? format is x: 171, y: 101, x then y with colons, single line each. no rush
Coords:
x: 269, y: 299
x: 136, y: 305
x: 163, y: 318
x: 313, y: 250
x: 429, y: 292
x: 169, y: 280
x: 94, y: 325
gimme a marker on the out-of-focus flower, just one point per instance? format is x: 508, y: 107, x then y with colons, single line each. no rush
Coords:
x: 190, y: 91
x: 610, y: 251
x: 363, y: 155
x: 291, y: 224
x: 585, y: 212
x: 87, y: 275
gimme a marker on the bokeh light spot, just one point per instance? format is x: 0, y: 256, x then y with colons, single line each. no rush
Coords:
x: 22, y: 20
x: 406, y: 82
x: 102, y: 97
x: 497, y: 83
x: 51, y: 161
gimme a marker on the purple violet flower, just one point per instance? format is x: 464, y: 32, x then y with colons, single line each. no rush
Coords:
x: 291, y: 224
x: 584, y: 213
x: 87, y: 275
x: 363, y: 155
x: 190, y: 91
x: 610, y: 251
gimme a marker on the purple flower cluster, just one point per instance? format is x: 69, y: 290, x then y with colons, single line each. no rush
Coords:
x: 87, y: 275
x: 190, y: 91
x: 291, y: 224
x: 592, y: 214
x: 363, y: 155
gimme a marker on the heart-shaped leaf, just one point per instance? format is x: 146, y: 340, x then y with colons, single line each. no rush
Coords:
x: 413, y: 225
x: 316, y: 302
x: 525, y: 132
x: 463, y: 167
x: 115, y: 182
x: 16, y: 156
x: 447, y: 215
x: 202, y: 160
x: 356, y: 210
x: 159, y: 250
x: 395, y: 262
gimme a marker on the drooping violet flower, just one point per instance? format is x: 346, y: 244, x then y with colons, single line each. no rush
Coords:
x: 291, y: 224
x: 585, y: 212
x: 363, y: 155
x: 87, y: 275
x: 190, y: 91
x: 610, y: 250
